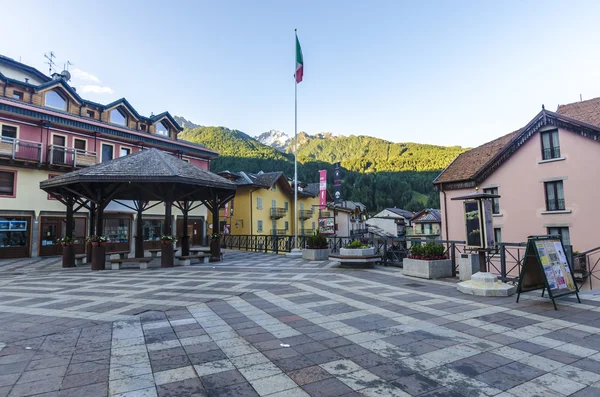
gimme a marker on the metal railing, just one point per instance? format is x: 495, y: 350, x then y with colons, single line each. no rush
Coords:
x: 306, y: 232
x: 20, y: 149
x: 551, y: 153
x: 277, y: 213
x: 555, y: 205
x: 325, y: 214
x: 278, y: 232
x: 585, y: 265
x: 62, y: 155
x: 305, y: 214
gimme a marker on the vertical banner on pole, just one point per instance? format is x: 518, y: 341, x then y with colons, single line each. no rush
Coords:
x: 322, y: 189
x: 337, y: 183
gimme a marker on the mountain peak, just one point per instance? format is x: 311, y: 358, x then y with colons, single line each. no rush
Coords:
x: 184, y: 123
x: 274, y: 138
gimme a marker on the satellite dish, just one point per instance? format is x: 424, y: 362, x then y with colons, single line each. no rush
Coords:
x: 66, y: 75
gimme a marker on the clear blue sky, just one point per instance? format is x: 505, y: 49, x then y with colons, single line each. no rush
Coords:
x: 440, y: 72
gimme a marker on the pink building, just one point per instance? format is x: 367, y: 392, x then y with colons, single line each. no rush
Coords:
x: 543, y: 173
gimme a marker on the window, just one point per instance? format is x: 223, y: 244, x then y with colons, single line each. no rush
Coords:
x: 274, y: 187
x: 17, y: 95
x: 9, y: 131
x: 80, y: 144
x: 117, y: 230
x: 555, y: 196
x: 550, y: 145
x: 186, y: 160
x: 301, y: 206
x: 259, y: 203
x: 142, y: 127
x: 54, y: 100
x: 495, y: 201
x: 286, y: 205
x: 314, y: 225
x: 287, y: 225
x: 563, y: 232
x: 125, y: 151
x: 259, y: 227
x: 107, y: 152
x: 7, y: 183
x: 497, y: 235
x: 14, y: 232
x: 152, y: 229
x: 117, y: 117
x: 427, y: 228
x: 90, y: 113
x: 273, y: 227
x: 162, y: 129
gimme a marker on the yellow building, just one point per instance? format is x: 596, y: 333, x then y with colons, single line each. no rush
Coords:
x: 264, y: 205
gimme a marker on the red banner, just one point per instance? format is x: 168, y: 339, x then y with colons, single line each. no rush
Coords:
x: 323, y: 188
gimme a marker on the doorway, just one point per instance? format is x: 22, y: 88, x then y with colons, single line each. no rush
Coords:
x: 59, y: 144
x: 195, y: 230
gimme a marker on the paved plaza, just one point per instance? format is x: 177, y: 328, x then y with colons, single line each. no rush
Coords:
x: 266, y: 325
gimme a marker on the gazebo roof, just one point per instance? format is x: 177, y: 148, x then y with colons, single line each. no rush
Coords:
x: 148, y: 174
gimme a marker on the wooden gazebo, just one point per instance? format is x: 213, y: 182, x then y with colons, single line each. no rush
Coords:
x: 148, y: 175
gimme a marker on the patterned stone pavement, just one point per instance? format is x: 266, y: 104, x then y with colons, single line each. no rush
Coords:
x: 267, y: 325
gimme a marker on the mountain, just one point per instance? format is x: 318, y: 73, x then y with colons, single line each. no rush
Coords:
x: 275, y: 138
x: 376, y: 172
x: 185, y: 123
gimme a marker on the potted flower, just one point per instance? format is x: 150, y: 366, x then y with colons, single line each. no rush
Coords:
x: 97, y: 240
x: 357, y: 248
x: 317, y: 248
x: 64, y: 241
x: 427, y: 261
x: 167, y: 239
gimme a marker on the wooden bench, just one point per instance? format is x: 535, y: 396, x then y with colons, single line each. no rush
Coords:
x: 79, y: 259
x: 154, y: 251
x: 187, y: 260
x: 117, y: 263
x: 367, y: 261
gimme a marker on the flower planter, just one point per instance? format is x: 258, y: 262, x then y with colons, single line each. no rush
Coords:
x: 315, y: 254
x: 95, y: 243
x: 357, y: 251
x: 421, y: 268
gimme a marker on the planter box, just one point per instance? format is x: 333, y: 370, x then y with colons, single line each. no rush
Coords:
x: 427, y: 269
x: 357, y: 251
x: 311, y: 254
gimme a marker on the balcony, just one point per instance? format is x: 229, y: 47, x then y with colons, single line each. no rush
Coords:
x: 278, y: 232
x: 21, y: 150
x: 277, y: 213
x: 325, y: 214
x: 305, y: 214
x: 306, y: 232
x: 62, y: 155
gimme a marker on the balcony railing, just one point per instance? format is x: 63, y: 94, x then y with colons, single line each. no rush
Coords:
x: 278, y: 232
x: 20, y: 149
x: 555, y: 205
x: 325, y: 214
x: 306, y: 232
x: 424, y: 232
x: 62, y: 155
x: 277, y: 213
x: 305, y: 214
x: 551, y: 153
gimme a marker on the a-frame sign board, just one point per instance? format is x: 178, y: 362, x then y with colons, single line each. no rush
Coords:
x: 546, y: 267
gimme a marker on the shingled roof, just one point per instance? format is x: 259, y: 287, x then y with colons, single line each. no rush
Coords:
x: 588, y: 111
x: 143, y: 167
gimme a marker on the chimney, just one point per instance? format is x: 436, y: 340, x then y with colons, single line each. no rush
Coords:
x: 26, y: 80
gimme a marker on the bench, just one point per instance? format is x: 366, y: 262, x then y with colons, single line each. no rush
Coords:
x: 154, y: 251
x: 197, y: 250
x: 122, y: 254
x: 79, y: 259
x: 358, y: 261
x: 187, y: 260
x: 117, y: 263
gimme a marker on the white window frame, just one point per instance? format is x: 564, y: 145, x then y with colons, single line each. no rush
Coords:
x: 126, y: 148
x: 65, y: 109
x: 123, y: 113
x: 10, y: 125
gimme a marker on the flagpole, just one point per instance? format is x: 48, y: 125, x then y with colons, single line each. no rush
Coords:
x: 295, y: 145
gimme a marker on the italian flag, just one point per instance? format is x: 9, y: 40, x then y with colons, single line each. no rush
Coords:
x: 299, y: 62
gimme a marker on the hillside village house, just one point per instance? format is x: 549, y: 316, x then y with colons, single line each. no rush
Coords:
x: 393, y: 221
x: 426, y: 223
x: 264, y: 205
x: 542, y: 173
x: 47, y: 129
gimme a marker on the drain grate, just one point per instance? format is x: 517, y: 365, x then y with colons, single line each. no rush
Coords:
x: 414, y: 285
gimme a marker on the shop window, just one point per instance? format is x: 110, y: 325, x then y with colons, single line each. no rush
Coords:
x: 162, y: 129
x: 55, y: 100
x: 17, y: 95
x: 14, y: 232
x: 555, y: 196
x: 152, y: 229
x: 8, y: 183
x: 563, y: 232
x: 9, y: 131
x: 495, y: 201
x: 117, y: 230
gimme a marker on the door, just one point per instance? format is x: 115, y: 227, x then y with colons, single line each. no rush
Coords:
x: 59, y: 144
x: 197, y: 231
x: 51, y: 230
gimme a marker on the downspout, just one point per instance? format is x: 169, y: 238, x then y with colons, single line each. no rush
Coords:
x: 251, y: 222
x: 445, y: 210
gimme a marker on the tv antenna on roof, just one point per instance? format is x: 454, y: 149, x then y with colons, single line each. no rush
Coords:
x: 50, y: 57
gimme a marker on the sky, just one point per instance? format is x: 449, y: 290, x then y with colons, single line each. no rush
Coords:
x: 437, y: 72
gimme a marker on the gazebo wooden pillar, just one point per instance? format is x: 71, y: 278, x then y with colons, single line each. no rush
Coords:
x: 167, y: 255
x: 186, y: 207
x: 91, y: 231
